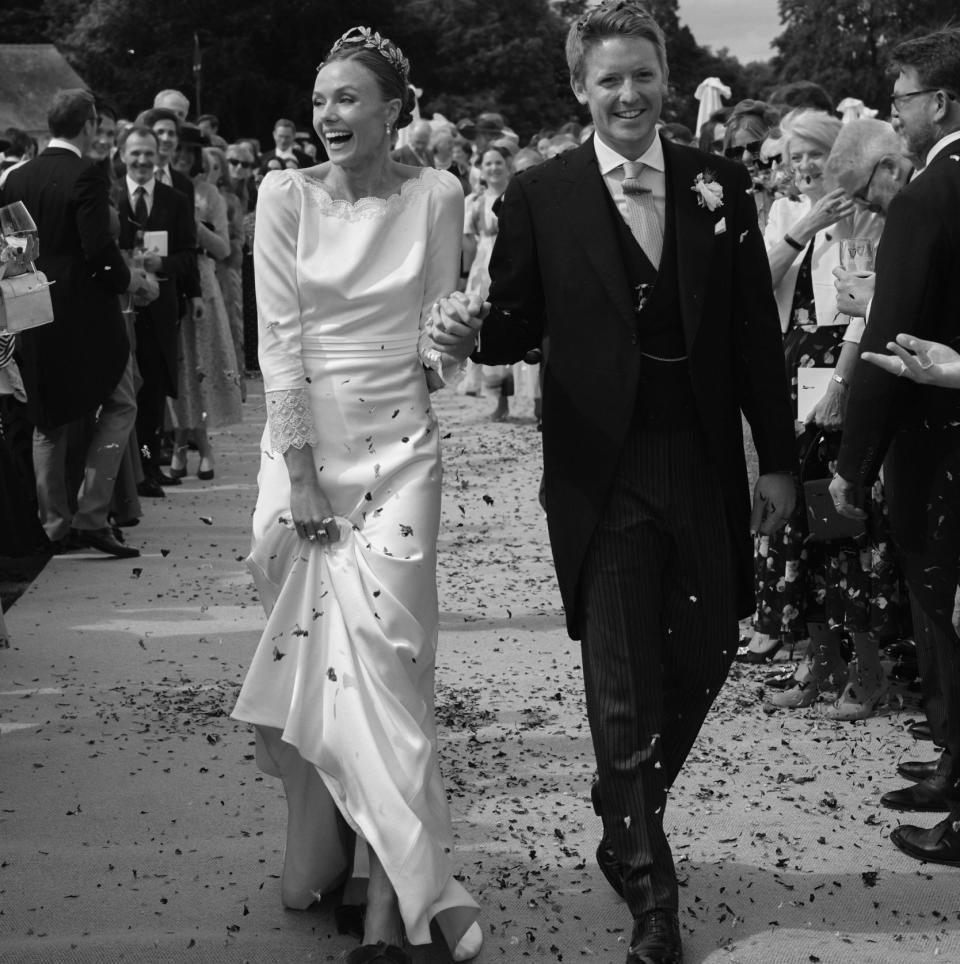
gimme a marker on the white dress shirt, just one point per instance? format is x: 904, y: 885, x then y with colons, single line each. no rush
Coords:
x: 64, y: 145
x: 132, y: 186
x: 164, y: 175
x: 653, y: 175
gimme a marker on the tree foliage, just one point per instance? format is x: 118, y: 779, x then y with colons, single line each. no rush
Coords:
x: 845, y: 45
x: 467, y: 55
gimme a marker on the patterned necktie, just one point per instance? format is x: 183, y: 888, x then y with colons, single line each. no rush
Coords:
x: 642, y: 213
x: 140, y: 207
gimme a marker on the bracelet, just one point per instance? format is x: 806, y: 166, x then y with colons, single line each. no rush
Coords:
x: 793, y: 242
x: 840, y: 380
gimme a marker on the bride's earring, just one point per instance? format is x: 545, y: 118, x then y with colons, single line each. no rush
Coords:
x: 387, y: 125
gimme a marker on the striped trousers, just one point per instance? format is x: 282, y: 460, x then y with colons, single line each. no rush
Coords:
x: 659, y: 631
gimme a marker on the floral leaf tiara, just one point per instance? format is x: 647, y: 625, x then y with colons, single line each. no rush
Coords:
x: 369, y: 38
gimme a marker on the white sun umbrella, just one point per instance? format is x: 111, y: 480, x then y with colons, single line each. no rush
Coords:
x: 709, y: 93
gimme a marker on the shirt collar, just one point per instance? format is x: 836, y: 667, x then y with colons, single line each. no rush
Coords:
x: 286, y: 152
x: 609, y: 160
x: 941, y: 144
x: 132, y: 186
x: 64, y: 145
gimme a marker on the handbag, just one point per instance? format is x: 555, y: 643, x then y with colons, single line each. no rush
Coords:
x: 24, y: 300
x: 824, y: 523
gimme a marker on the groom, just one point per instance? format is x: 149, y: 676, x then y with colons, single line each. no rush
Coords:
x: 641, y: 264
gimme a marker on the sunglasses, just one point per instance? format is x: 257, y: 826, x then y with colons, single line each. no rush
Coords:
x: 736, y: 153
x: 860, y: 197
x: 237, y: 163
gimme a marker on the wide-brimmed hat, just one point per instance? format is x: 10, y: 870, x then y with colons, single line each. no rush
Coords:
x: 467, y: 129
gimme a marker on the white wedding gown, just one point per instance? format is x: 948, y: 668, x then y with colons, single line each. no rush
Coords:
x: 345, y: 667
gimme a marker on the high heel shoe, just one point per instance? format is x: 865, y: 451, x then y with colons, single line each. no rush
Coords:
x: 468, y: 947
x: 757, y: 653
x: 812, y: 680
x: 178, y: 463
x: 856, y: 702
x: 205, y: 474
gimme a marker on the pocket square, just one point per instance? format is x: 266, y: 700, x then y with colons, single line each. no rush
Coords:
x: 720, y: 226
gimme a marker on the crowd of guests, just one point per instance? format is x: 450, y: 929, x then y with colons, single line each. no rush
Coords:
x: 180, y: 203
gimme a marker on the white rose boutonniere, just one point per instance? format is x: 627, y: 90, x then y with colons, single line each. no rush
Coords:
x: 709, y: 192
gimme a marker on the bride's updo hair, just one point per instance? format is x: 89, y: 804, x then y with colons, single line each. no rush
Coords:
x: 385, y: 60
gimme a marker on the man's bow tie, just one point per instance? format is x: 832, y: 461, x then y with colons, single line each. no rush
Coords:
x: 631, y: 178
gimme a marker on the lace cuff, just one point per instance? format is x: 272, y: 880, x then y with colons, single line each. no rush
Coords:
x: 290, y: 420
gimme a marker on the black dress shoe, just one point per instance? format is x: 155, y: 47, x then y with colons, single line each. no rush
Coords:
x: 920, y: 730
x: 150, y: 489
x: 103, y: 540
x: 932, y: 795
x: 379, y: 953
x: 165, y: 479
x: 656, y: 939
x: 916, y: 771
x: 66, y: 544
x: 938, y: 845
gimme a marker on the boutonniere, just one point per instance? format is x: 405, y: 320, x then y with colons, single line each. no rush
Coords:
x: 709, y: 192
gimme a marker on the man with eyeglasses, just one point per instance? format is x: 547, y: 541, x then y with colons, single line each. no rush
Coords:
x: 914, y: 429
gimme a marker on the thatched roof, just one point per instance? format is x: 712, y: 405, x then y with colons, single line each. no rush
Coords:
x: 30, y: 74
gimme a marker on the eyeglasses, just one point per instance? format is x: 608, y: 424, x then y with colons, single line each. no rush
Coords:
x: 861, y: 196
x: 765, y: 163
x: 896, y: 98
x: 736, y: 153
x: 238, y: 163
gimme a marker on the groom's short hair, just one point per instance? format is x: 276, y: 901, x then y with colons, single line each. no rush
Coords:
x: 613, y: 18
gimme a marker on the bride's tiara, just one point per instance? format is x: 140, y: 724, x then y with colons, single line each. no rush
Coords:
x: 371, y: 40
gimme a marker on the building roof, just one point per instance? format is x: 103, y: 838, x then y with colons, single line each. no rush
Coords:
x: 30, y: 74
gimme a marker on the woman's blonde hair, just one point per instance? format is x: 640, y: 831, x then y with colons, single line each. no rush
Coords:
x: 812, y: 125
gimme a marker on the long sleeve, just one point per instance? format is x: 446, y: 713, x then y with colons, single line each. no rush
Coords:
x: 515, y: 323
x: 93, y: 224
x: 913, y: 271
x: 279, y: 313
x: 764, y: 396
x: 442, y: 258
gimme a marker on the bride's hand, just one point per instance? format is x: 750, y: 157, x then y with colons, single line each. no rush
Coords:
x: 312, y: 513
x: 310, y: 509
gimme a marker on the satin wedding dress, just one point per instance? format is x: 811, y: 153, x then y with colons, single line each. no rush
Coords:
x: 345, y: 667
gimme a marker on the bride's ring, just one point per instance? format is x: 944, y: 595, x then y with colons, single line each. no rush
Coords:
x: 903, y: 368
x: 329, y: 519
x: 311, y: 537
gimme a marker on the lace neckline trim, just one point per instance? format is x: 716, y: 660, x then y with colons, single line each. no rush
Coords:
x: 365, y: 207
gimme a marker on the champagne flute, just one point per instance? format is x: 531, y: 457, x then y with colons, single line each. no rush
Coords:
x: 858, y: 255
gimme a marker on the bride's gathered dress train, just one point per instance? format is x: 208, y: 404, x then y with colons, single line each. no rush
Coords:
x: 341, y: 686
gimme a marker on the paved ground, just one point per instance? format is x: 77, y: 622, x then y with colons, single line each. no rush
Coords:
x: 134, y: 825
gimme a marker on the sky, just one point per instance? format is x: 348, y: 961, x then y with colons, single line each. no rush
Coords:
x: 746, y: 27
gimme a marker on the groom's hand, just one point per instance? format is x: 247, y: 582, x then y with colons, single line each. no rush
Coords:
x: 773, y: 502
x: 455, y: 321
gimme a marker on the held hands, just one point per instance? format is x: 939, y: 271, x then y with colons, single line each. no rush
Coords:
x: 842, y: 492
x: 773, y: 502
x: 924, y: 362
x: 854, y: 291
x: 454, y: 323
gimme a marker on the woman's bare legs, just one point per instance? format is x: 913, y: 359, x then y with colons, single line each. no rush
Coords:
x: 317, y: 855
x: 382, y: 921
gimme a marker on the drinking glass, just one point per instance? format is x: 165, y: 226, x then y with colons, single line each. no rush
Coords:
x: 857, y: 254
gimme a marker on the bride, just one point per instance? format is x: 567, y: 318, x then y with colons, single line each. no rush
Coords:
x: 349, y: 257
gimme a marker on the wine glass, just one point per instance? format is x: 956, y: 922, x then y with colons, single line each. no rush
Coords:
x: 858, y: 255
x: 18, y: 233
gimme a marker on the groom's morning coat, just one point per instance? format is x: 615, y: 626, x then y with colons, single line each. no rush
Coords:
x: 557, y: 271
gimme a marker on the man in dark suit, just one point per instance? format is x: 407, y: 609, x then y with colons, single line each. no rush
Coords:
x: 81, y: 362
x: 146, y: 205
x: 914, y: 430
x: 641, y: 262
x: 285, y: 149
